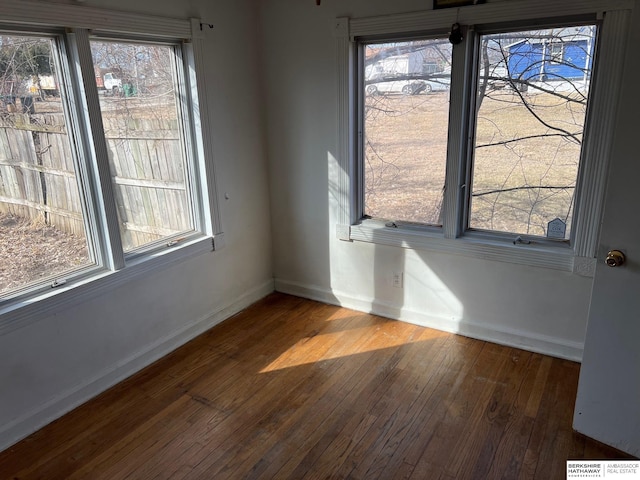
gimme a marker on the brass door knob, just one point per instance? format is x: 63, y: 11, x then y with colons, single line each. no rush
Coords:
x: 615, y: 258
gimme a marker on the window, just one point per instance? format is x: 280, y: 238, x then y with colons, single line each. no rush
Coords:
x: 42, y: 215
x: 145, y: 136
x: 101, y: 154
x: 528, y: 113
x: 405, y: 115
x: 529, y: 125
x: 556, y: 51
x: 506, y: 156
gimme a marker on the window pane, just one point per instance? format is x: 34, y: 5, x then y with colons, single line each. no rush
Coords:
x: 140, y: 106
x: 406, y: 115
x: 42, y: 233
x: 533, y: 89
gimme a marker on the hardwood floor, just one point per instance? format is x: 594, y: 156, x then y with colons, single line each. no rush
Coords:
x: 292, y: 388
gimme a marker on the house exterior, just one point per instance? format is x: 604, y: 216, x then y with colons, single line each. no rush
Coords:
x: 553, y: 56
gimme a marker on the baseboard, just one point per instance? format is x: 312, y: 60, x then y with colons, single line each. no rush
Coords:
x: 530, y: 341
x: 66, y: 401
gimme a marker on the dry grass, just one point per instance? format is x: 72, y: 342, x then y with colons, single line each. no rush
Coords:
x: 31, y: 251
x: 406, y: 156
x: 406, y: 152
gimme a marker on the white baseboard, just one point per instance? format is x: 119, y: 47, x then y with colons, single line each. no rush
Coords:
x: 530, y: 341
x: 68, y: 400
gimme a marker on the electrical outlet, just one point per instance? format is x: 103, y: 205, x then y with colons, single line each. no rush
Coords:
x: 396, y: 279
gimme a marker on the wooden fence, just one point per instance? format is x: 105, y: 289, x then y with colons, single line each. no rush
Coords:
x: 149, y: 178
x: 38, y: 178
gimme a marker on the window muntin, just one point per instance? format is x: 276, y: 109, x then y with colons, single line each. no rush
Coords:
x: 140, y: 100
x: 43, y: 233
x: 530, y: 117
x: 406, y: 86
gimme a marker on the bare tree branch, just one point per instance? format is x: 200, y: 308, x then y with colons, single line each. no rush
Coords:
x: 525, y: 187
x: 526, y: 137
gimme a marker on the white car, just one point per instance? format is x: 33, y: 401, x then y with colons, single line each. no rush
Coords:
x: 409, y: 87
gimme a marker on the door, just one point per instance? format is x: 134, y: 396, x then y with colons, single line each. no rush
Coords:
x: 608, y: 401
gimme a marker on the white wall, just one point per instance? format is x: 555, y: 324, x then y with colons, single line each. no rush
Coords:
x: 57, y: 361
x: 540, y: 309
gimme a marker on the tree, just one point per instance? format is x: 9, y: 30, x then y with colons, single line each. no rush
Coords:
x: 544, y: 74
x: 530, y: 109
x: 21, y: 60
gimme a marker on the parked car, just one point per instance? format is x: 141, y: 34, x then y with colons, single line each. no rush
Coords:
x: 408, y: 87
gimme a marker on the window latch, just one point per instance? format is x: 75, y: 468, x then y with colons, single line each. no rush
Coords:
x: 175, y: 241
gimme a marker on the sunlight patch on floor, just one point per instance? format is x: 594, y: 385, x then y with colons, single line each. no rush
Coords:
x: 318, y: 347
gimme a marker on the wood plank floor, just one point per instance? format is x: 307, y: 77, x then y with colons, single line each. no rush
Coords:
x: 292, y: 388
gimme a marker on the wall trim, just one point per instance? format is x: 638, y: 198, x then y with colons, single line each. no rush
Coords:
x: 493, y: 12
x: 556, y: 257
x: 29, y: 12
x: 517, y: 338
x: 66, y: 401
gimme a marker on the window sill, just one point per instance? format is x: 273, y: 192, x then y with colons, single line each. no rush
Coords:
x: 560, y: 257
x: 18, y: 313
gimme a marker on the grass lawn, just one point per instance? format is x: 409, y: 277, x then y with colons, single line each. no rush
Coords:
x: 519, y: 185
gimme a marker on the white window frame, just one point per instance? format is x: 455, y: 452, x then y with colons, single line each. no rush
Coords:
x: 579, y: 256
x: 74, y: 25
x: 558, y: 56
